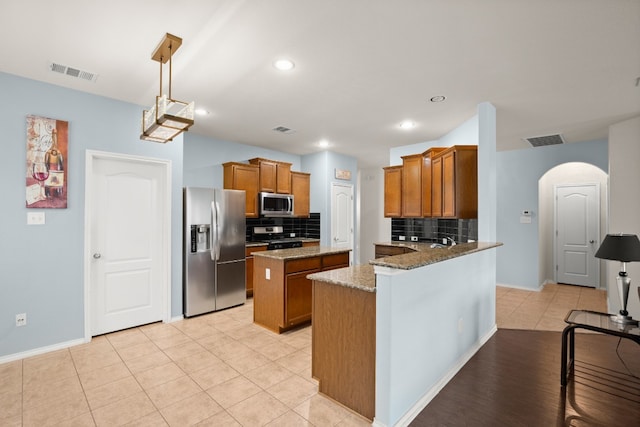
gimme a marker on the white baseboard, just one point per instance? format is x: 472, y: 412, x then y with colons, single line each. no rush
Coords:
x: 41, y: 350
x: 422, y: 403
x: 176, y: 319
x: 524, y: 288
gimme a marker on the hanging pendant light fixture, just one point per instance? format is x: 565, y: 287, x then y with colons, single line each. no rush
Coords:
x: 168, y: 117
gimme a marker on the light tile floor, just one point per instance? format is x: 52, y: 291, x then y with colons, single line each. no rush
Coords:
x: 544, y: 310
x: 213, y: 370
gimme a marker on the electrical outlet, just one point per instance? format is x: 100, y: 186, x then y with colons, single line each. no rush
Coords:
x: 21, y: 319
x: 401, y: 238
x: 267, y: 273
x: 414, y: 238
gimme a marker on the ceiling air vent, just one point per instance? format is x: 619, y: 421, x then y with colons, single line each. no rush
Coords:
x: 542, y: 141
x: 73, y: 72
x: 283, y: 129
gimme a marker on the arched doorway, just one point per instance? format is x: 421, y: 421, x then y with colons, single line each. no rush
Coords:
x: 565, y: 174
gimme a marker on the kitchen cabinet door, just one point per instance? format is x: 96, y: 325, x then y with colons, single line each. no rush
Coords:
x: 283, y: 178
x: 249, y: 266
x: 436, y: 187
x: 393, y: 192
x: 412, y: 186
x: 449, y: 185
x: 242, y: 176
x: 298, y: 298
x: 459, y: 182
x: 268, y: 176
x: 300, y: 188
x: 427, y: 159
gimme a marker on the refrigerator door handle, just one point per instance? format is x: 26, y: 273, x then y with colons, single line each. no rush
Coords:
x: 214, y: 232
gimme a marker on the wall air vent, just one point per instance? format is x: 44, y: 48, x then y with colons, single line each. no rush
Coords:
x: 543, y: 141
x: 283, y: 129
x: 72, y: 72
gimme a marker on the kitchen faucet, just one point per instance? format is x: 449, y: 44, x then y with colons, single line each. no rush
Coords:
x: 453, y: 242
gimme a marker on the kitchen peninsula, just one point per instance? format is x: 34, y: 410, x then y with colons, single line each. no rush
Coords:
x: 281, y: 289
x: 389, y: 335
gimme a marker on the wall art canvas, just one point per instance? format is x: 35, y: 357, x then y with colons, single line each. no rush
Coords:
x: 47, y: 154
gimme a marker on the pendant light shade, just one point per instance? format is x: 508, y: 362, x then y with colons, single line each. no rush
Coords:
x: 168, y: 117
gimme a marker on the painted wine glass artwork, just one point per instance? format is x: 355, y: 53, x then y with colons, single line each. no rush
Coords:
x: 40, y: 173
x: 47, y: 150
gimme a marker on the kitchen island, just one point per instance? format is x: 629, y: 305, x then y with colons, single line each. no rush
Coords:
x: 388, y: 336
x: 281, y: 289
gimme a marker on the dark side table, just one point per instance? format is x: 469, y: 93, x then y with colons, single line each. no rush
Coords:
x: 593, y: 321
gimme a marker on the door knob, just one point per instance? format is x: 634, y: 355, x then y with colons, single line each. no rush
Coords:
x: 591, y: 241
x: 97, y: 255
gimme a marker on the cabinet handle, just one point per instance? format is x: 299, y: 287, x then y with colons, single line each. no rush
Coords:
x: 97, y: 255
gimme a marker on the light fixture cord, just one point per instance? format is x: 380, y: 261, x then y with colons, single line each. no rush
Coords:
x: 170, y: 57
x: 161, y: 76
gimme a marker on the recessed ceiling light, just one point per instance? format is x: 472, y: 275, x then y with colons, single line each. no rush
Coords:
x: 323, y: 143
x: 284, y: 64
x: 407, y: 124
x: 202, y: 112
x: 438, y: 98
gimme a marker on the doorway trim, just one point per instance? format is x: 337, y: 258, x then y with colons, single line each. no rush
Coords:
x: 90, y: 157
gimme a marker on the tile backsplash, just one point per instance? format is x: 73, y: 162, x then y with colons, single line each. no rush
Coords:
x: 434, y: 229
x: 302, y: 227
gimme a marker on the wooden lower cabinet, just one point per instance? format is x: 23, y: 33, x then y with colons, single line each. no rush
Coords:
x: 248, y: 252
x: 307, y: 244
x: 283, y: 300
x: 344, y: 345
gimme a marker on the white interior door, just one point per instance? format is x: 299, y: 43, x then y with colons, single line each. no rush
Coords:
x: 577, y: 234
x: 127, y: 217
x: 342, y: 216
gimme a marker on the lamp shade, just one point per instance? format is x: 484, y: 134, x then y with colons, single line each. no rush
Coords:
x: 620, y: 247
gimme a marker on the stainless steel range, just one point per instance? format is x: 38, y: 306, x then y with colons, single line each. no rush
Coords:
x: 275, y: 238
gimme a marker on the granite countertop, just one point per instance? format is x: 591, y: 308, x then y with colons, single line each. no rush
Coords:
x: 254, y: 244
x: 298, y: 253
x: 363, y: 276
x: 359, y: 277
x: 424, y: 254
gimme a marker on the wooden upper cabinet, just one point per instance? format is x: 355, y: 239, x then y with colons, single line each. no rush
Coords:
x: 427, y: 158
x: 393, y: 191
x: 459, y: 182
x: 300, y: 188
x: 274, y: 175
x: 283, y: 178
x: 242, y: 176
x: 412, y: 186
x: 436, y: 187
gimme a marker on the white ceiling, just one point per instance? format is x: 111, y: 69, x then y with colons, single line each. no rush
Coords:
x: 362, y: 66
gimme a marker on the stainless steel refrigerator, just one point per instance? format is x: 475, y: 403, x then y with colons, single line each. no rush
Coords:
x: 214, y: 250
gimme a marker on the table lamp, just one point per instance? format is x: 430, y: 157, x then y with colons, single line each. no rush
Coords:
x: 624, y: 248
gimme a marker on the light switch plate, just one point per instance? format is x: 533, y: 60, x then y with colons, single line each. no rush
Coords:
x: 35, y: 218
x: 267, y: 273
x: 525, y: 219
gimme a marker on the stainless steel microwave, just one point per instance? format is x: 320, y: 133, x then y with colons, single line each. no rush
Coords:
x: 273, y: 204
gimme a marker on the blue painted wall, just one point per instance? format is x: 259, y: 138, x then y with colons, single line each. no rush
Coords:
x: 41, y: 267
x: 322, y: 168
x: 517, y: 175
x: 203, y: 159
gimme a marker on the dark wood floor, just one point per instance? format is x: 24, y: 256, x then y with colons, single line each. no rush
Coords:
x: 514, y: 380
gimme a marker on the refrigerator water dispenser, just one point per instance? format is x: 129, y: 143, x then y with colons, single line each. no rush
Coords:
x: 200, y: 238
